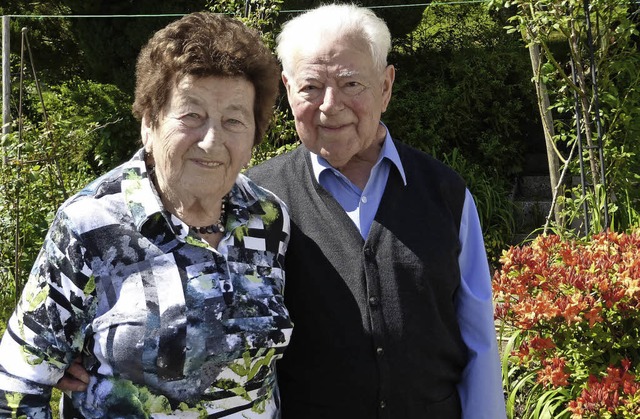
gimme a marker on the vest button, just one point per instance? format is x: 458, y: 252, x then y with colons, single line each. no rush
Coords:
x: 382, y: 404
x: 380, y: 351
x: 373, y: 301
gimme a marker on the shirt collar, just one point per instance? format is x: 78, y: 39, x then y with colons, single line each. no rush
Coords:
x: 388, y: 152
x: 140, y: 195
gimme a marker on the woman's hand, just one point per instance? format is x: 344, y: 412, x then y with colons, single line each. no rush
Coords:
x: 75, y: 377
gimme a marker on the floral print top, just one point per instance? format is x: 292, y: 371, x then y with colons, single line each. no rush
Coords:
x: 168, y: 325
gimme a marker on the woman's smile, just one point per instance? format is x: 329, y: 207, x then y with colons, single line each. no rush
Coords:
x: 209, y: 164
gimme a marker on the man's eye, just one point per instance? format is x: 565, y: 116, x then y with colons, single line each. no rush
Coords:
x: 311, y: 87
x: 353, y: 87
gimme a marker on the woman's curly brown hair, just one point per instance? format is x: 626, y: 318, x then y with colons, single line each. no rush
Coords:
x: 205, y: 44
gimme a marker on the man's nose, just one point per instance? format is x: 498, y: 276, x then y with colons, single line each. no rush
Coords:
x: 331, y: 101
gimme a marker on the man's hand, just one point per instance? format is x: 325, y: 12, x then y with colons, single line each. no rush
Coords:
x: 75, y: 378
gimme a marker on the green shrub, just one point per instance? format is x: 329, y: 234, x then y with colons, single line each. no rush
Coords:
x: 99, y: 117
x: 280, y: 138
x: 88, y: 130
x: 462, y: 83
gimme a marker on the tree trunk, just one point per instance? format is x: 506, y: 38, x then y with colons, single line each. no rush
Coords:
x: 547, y: 126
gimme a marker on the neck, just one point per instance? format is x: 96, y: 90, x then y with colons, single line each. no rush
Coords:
x: 358, y: 169
x: 194, y: 210
x: 217, y: 227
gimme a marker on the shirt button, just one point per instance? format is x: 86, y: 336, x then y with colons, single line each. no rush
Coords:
x: 379, y: 351
x: 382, y: 404
x: 364, y: 199
x: 373, y: 301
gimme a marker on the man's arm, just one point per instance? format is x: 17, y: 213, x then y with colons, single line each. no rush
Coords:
x: 75, y: 377
x: 480, y: 390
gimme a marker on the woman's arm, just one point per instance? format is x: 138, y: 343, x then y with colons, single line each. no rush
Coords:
x: 46, y: 331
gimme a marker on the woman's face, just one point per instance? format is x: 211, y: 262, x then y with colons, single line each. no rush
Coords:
x: 203, y: 138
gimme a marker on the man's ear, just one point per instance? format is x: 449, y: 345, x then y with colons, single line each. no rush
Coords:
x: 387, y: 85
x: 287, y: 85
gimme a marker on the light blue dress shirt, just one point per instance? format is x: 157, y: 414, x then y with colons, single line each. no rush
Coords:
x: 481, y: 386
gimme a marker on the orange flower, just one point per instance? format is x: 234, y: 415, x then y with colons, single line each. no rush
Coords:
x: 606, y: 394
x: 553, y: 372
x: 593, y: 316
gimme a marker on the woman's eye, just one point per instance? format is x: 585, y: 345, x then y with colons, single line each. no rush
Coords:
x: 235, y: 124
x: 192, y: 119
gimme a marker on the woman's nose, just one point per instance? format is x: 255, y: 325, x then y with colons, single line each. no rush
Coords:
x: 212, y: 135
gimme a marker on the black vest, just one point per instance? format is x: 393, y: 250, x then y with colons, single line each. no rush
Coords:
x: 375, y: 330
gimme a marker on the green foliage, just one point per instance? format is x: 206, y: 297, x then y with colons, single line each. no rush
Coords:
x: 462, y: 83
x: 99, y: 117
x: 280, y: 138
x: 615, y: 104
x: 33, y: 185
x: 261, y: 15
x: 55, y: 48
x: 88, y: 131
x: 569, y: 313
x: 110, y: 45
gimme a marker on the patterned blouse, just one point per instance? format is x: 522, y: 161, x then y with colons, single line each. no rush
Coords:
x: 168, y: 325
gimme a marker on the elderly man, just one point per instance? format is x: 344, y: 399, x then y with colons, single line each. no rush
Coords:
x: 388, y: 283
x: 387, y: 279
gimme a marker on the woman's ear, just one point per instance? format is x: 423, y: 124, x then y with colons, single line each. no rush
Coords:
x: 145, y: 133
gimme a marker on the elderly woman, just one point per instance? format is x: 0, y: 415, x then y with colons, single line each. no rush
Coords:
x: 166, y: 273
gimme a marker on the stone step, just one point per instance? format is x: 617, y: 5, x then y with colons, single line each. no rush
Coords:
x: 533, y: 187
x: 531, y: 215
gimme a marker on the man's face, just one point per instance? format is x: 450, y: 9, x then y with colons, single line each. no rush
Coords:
x: 337, y: 96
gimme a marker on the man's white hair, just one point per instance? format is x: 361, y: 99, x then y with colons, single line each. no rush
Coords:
x: 327, y: 23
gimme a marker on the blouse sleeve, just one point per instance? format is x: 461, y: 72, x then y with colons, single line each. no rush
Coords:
x: 46, y: 330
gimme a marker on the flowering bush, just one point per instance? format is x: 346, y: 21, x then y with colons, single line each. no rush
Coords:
x: 570, y: 316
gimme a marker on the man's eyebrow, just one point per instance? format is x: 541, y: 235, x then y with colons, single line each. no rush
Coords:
x: 347, y: 73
